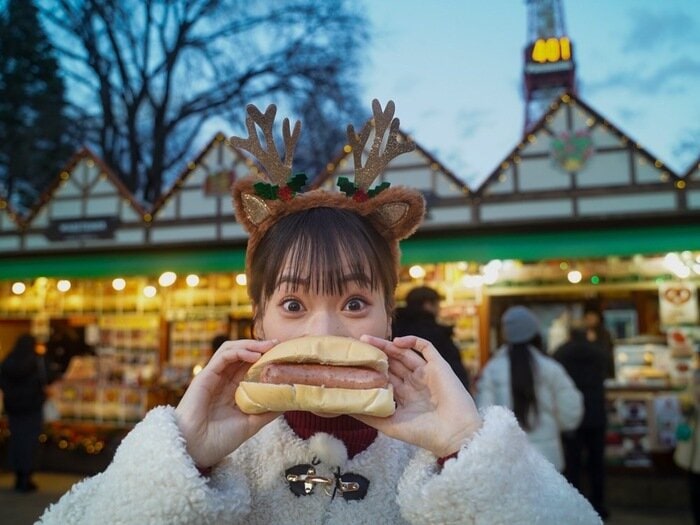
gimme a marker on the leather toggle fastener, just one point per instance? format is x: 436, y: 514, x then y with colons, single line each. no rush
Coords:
x: 303, y: 479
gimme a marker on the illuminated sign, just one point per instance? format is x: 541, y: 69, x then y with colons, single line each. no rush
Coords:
x: 551, y: 50
x: 84, y: 228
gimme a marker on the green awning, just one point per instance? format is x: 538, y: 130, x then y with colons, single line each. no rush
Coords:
x: 539, y: 245
x: 479, y: 247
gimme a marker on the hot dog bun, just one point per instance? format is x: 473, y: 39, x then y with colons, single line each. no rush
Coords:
x: 254, y: 397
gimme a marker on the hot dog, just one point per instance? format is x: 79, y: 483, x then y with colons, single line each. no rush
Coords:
x: 322, y: 374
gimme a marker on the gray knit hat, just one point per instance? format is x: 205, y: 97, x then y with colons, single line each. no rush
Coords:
x: 519, y: 325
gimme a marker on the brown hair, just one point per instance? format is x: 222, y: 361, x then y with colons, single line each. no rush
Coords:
x: 317, y: 242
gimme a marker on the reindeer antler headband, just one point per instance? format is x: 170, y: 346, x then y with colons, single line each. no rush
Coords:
x: 395, y: 212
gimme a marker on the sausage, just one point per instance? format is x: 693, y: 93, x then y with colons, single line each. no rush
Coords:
x: 329, y: 376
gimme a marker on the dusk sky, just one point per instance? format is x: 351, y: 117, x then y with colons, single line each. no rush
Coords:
x: 454, y: 69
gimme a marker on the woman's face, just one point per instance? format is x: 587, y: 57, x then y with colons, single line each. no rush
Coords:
x: 294, y: 310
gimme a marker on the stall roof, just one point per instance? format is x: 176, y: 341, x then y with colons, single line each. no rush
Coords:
x: 592, y: 241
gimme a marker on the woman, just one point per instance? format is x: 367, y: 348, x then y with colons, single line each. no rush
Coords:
x: 325, y: 263
x: 22, y: 381
x: 537, y: 388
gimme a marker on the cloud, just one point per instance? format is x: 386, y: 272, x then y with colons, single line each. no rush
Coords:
x: 653, y: 30
x: 673, y: 77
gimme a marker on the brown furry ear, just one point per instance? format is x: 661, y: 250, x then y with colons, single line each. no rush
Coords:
x: 397, y: 212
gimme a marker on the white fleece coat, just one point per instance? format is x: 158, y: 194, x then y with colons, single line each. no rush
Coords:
x: 559, y: 402
x: 497, y: 478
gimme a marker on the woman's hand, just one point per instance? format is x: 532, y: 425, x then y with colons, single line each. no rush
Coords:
x: 434, y: 411
x: 207, y: 415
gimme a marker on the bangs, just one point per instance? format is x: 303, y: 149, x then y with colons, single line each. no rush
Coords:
x: 323, y: 251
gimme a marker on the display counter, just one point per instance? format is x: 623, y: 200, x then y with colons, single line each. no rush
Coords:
x: 642, y: 423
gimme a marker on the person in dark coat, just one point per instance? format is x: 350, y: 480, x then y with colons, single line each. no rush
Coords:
x: 419, y: 318
x: 22, y: 380
x: 586, y: 363
x: 597, y: 333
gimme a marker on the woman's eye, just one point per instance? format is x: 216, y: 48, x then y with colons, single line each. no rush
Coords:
x: 355, y: 304
x: 292, y: 305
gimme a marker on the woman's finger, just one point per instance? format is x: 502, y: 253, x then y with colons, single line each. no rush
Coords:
x: 401, y: 351
x: 397, y: 368
x: 248, y: 351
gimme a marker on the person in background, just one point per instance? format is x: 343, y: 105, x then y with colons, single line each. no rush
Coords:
x: 217, y: 341
x: 586, y: 363
x: 598, y: 334
x: 536, y: 387
x: 419, y: 318
x: 22, y: 379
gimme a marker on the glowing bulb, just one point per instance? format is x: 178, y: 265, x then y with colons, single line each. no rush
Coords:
x: 150, y: 291
x: 490, y: 275
x: 18, y: 288
x: 167, y: 279
x: 119, y: 284
x: 63, y: 285
x: 574, y: 276
x: 416, y: 271
x: 192, y: 280
x: 241, y: 279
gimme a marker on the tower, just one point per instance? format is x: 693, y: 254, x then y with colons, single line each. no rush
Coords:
x: 549, y: 66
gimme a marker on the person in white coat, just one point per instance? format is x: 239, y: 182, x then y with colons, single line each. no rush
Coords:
x: 326, y: 263
x: 536, y: 387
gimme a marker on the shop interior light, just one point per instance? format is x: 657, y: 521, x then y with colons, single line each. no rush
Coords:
x: 192, y: 280
x: 490, y: 276
x: 118, y: 284
x: 241, y: 279
x: 492, y: 271
x: 196, y: 369
x: 674, y: 263
x: 41, y: 282
x: 564, y: 265
x: 18, y: 288
x: 595, y: 279
x: 63, y: 285
x: 696, y: 268
x: 167, y: 279
x: 416, y: 271
x: 574, y: 276
x: 472, y: 281
x: 150, y: 291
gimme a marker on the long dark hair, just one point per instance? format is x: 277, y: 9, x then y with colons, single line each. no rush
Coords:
x: 522, y: 382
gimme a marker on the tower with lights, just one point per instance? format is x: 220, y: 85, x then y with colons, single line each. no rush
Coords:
x: 549, y: 67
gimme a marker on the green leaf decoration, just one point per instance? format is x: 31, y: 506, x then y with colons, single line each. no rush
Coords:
x: 347, y: 187
x: 266, y: 191
x: 378, y: 189
x: 297, y: 182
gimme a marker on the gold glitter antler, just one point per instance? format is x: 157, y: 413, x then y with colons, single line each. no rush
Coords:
x: 278, y: 171
x: 376, y: 161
